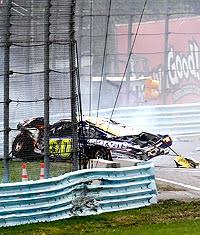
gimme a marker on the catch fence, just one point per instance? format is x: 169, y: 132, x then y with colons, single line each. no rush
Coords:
x: 52, y: 52
x: 38, y: 70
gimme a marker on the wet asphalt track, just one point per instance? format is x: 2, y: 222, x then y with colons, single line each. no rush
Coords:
x: 184, y: 183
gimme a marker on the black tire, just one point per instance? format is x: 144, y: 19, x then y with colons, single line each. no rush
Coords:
x: 22, y: 146
x: 101, y: 153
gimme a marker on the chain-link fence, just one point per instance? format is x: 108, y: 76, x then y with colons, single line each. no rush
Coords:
x: 46, y: 46
x: 38, y: 70
x: 121, y: 41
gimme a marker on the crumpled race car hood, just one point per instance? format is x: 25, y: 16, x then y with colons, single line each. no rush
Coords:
x: 110, y: 126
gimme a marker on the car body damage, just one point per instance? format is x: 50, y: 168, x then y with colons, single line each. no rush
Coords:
x: 183, y: 162
x: 98, y: 138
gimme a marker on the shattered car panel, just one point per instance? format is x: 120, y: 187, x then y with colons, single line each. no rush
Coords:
x: 110, y: 126
x: 183, y: 162
x: 98, y: 138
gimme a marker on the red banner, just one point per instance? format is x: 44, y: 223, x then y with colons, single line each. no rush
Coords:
x: 182, y: 85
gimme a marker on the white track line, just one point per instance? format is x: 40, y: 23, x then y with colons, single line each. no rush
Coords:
x: 179, y: 184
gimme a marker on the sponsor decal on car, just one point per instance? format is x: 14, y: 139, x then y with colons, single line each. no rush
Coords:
x: 62, y: 147
x: 109, y: 143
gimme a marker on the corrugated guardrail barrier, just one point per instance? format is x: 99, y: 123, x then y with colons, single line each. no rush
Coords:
x: 178, y: 119
x: 79, y: 193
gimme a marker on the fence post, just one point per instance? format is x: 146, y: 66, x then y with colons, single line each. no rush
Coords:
x: 6, y: 91
x: 73, y: 74
x: 46, y: 87
x: 166, y: 35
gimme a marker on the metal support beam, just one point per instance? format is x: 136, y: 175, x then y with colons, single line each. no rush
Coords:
x: 128, y: 74
x: 73, y: 83
x: 166, y: 35
x: 46, y: 87
x: 6, y: 91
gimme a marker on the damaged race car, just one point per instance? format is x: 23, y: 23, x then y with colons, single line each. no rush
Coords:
x: 98, y: 138
x: 186, y: 162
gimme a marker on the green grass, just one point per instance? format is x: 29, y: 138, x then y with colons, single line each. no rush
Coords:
x: 33, y: 169
x: 165, y: 218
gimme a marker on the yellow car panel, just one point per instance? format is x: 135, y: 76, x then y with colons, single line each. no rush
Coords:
x: 110, y: 126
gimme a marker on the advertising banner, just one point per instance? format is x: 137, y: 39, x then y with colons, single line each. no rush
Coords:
x: 178, y: 72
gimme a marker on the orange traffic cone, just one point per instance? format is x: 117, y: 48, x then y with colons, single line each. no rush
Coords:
x: 24, y: 172
x: 41, y: 170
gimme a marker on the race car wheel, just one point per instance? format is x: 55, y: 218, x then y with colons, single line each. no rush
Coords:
x: 22, y: 147
x: 101, y: 153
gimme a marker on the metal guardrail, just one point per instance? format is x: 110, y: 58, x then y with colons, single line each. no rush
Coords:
x: 179, y: 119
x: 78, y: 193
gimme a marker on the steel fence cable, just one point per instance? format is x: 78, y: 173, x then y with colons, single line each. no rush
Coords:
x: 130, y: 53
x: 146, y: 14
x: 90, y: 48
x: 104, y: 57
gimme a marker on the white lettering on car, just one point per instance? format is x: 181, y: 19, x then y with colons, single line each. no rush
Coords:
x: 110, y: 144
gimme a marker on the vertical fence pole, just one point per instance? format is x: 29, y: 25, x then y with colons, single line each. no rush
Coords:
x: 166, y: 35
x: 6, y: 91
x: 46, y: 87
x: 128, y: 74
x: 72, y: 58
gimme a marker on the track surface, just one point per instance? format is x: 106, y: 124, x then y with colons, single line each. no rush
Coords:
x: 181, y: 183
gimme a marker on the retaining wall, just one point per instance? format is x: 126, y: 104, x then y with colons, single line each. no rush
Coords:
x: 178, y: 119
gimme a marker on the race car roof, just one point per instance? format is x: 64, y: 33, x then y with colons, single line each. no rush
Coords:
x: 110, y: 126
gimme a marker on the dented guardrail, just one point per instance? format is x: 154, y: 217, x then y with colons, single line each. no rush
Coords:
x: 79, y: 193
